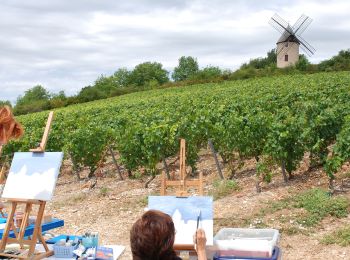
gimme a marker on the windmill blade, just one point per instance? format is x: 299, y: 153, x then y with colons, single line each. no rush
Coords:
x: 279, y: 24
x: 276, y: 26
x: 306, y: 50
x: 301, y: 25
x: 305, y: 46
x: 299, y: 22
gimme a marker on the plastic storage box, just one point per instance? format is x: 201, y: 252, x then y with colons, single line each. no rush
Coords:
x: 63, y: 251
x: 276, y: 255
x: 245, y: 242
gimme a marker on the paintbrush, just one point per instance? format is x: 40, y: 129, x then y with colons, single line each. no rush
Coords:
x: 198, y: 219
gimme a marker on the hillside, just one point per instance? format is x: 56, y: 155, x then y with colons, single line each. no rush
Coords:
x: 277, y: 137
x: 275, y: 120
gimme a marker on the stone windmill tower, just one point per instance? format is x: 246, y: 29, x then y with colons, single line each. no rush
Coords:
x: 288, y: 44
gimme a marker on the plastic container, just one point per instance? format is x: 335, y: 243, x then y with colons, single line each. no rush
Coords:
x: 54, y: 240
x: 63, y: 251
x: 276, y: 255
x: 246, y: 242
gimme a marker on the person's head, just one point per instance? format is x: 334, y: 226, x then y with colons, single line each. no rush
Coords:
x: 9, y: 127
x: 152, y: 237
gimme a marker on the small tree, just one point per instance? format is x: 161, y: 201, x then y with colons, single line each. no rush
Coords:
x: 187, y: 68
x: 34, y: 100
x: 121, y: 78
x: 145, y: 72
x: 37, y: 93
x: 302, y: 63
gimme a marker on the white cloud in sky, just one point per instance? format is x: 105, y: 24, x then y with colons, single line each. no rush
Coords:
x: 66, y: 45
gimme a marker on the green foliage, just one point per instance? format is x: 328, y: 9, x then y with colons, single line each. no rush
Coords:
x: 146, y: 72
x: 223, y: 188
x: 341, y: 149
x: 340, y: 237
x: 207, y: 73
x: 280, y: 118
x: 302, y: 63
x: 34, y: 100
x: 338, y: 62
x: 319, y: 204
x: 121, y: 78
x: 5, y: 103
x: 87, y: 145
x: 187, y: 68
x: 37, y: 93
x: 285, y: 139
x: 38, y: 99
x: 316, y: 203
x: 58, y: 100
x: 261, y: 63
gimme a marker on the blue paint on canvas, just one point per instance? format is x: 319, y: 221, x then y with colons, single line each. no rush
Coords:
x: 188, y: 207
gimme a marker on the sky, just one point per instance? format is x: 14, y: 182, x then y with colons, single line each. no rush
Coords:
x: 67, y: 45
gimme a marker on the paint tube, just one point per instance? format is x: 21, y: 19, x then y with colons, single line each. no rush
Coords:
x: 80, y: 250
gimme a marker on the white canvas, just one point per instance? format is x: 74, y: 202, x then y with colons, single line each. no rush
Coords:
x: 184, y: 212
x: 33, y: 176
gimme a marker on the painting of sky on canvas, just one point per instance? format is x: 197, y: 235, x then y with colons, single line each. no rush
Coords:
x: 33, y: 176
x: 184, y: 212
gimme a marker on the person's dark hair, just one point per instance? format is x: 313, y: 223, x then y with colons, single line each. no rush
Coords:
x: 152, y: 237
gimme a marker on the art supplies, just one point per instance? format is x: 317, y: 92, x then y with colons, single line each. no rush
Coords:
x: 187, y: 214
x: 90, y: 239
x: 246, y: 242
x: 80, y: 250
x: 198, y: 218
x: 31, y: 181
x: 104, y: 253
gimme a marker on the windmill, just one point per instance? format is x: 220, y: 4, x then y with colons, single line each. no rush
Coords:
x: 288, y: 44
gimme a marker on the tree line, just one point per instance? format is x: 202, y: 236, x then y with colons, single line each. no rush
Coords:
x: 152, y: 75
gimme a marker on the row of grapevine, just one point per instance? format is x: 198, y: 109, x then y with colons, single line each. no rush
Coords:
x: 275, y: 119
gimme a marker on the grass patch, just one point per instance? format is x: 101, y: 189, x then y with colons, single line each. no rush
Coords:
x: 143, y: 201
x: 103, y: 192
x: 222, y: 188
x: 314, y: 206
x: 276, y: 206
x: 340, y: 237
x: 319, y: 204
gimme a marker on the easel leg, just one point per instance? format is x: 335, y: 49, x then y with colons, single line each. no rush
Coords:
x: 24, y: 222
x: 163, y: 185
x: 37, y: 229
x: 9, y: 223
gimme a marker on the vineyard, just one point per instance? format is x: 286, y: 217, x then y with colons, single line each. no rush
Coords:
x: 276, y: 120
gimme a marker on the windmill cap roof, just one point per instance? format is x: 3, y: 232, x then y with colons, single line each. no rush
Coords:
x: 288, y: 36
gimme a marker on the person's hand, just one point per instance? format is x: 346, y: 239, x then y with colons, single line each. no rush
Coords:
x: 200, y: 240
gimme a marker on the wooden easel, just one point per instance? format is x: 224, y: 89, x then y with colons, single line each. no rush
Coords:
x: 183, y: 183
x: 19, y: 235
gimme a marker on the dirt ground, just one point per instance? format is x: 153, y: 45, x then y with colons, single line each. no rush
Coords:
x: 113, y: 205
